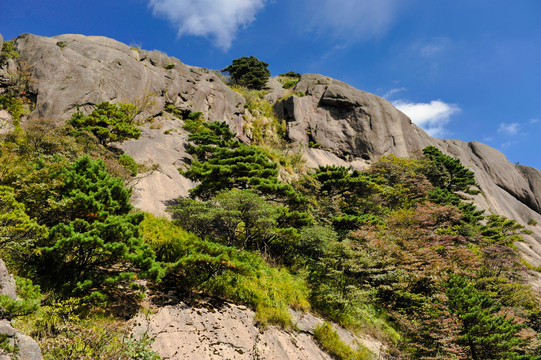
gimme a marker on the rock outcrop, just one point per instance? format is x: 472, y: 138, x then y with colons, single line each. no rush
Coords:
x: 349, y: 122
x: 228, y: 331
x: 76, y: 71
x: 25, y: 347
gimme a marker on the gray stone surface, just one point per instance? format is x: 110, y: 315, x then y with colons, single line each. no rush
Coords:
x: 80, y: 71
x: 228, y: 331
x: 7, y: 282
x: 6, y: 122
x: 1, y: 42
x: 161, y: 149
x: 28, y: 349
x: 348, y: 122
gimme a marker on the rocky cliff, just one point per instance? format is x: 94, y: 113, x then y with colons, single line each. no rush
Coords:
x: 352, y: 127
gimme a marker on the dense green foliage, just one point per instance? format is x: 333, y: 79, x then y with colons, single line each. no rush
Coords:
x: 108, y: 122
x: 66, y: 225
x: 249, y: 72
x: 383, y: 249
x: 485, y: 333
x: 27, y: 301
x: 9, y: 51
x: 93, y: 244
x: 397, y: 251
x: 17, y: 229
x: 223, y: 163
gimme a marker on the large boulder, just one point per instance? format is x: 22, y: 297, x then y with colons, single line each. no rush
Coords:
x: 26, y: 347
x: 348, y: 122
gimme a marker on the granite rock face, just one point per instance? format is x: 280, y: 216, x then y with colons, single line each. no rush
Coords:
x: 229, y: 331
x: 349, y: 122
x: 72, y: 71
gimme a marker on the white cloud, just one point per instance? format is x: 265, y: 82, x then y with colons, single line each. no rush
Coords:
x: 431, y: 117
x: 218, y: 19
x: 509, y: 129
x: 393, y: 91
x: 347, y: 20
x: 534, y: 121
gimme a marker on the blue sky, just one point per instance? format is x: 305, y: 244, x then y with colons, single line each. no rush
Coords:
x: 464, y: 69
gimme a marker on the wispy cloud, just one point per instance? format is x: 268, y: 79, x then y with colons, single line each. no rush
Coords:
x: 509, y: 129
x: 347, y: 20
x: 534, y: 121
x: 218, y: 19
x: 431, y: 117
x: 393, y: 91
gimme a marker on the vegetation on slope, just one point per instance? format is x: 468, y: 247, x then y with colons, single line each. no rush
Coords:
x: 396, y: 251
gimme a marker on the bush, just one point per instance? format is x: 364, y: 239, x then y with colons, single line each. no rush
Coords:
x: 291, y: 74
x: 9, y: 51
x: 128, y: 163
x: 330, y: 341
x: 27, y: 302
x: 227, y: 272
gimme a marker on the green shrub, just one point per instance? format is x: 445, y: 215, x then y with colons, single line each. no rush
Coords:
x: 291, y: 74
x: 330, y: 341
x: 214, y: 269
x: 169, y: 66
x: 61, y: 44
x: 9, y: 51
x: 128, y: 163
x: 27, y: 302
x: 17, y: 106
x: 532, y: 222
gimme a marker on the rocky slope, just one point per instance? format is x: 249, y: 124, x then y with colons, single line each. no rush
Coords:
x: 227, y: 331
x: 353, y: 128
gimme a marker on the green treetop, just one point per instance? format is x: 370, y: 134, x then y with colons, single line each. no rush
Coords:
x: 249, y: 72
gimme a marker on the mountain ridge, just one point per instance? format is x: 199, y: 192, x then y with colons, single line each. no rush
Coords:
x: 351, y: 127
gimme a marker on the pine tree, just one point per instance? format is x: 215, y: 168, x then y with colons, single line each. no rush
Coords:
x: 450, y: 177
x: 249, y: 72
x: 485, y: 332
x: 223, y: 163
x: 448, y: 173
x: 108, y: 122
x: 94, y: 246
